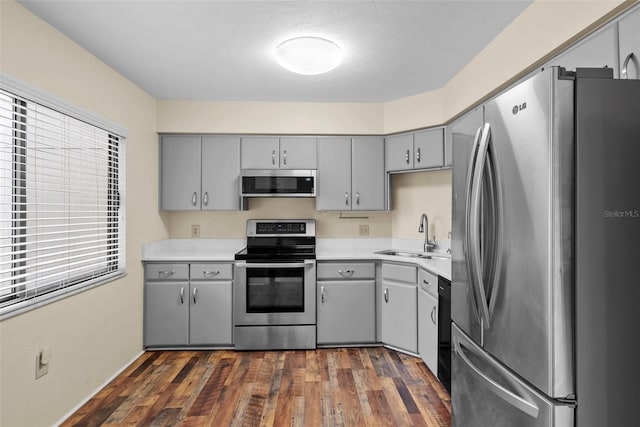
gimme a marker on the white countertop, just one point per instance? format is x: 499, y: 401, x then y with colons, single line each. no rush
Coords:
x: 326, y: 250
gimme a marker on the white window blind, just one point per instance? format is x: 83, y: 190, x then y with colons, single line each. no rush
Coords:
x: 61, y: 222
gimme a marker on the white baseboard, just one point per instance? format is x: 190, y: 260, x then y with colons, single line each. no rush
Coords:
x: 103, y: 385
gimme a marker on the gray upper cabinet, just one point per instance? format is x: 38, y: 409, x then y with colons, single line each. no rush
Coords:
x: 351, y: 174
x: 220, y: 173
x: 367, y: 174
x: 334, y: 174
x: 597, y: 50
x: 180, y: 173
x: 272, y: 152
x: 298, y: 152
x: 629, y: 33
x: 428, y: 149
x: 261, y: 152
x: 199, y: 173
x: 399, y: 152
x: 418, y: 150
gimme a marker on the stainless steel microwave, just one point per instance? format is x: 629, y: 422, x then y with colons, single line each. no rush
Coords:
x: 278, y: 183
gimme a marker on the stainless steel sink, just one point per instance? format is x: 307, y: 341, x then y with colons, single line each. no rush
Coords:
x: 401, y: 253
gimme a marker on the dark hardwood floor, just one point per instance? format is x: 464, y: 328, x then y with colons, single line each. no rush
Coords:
x: 325, y: 387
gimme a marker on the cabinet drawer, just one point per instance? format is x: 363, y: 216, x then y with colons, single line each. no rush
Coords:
x: 428, y: 282
x: 212, y: 271
x: 166, y: 271
x: 400, y: 273
x: 346, y: 271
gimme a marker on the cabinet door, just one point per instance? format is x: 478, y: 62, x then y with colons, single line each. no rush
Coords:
x: 629, y: 33
x: 346, y: 312
x: 428, y: 330
x: 367, y: 174
x: 166, y: 314
x: 298, y: 152
x: 220, y: 173
x: 334, y: 174
x: 180, y: 173
x: 399, y: 316
x: 598, y: 50
x: 399, y: 152
x: 260, y: 152
x: 428, y: 149
x: 210, y: 315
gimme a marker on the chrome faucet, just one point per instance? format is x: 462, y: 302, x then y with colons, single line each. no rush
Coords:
x: 429, y: 245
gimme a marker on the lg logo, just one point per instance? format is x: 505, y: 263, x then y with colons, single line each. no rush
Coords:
x: 517, y: 108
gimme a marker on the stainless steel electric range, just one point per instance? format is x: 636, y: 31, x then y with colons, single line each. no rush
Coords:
x: 275, y: 293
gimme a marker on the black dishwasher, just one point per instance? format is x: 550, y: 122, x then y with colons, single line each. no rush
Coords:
x: 444, y: 332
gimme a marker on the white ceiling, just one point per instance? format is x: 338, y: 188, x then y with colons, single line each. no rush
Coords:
x: 223, y: 50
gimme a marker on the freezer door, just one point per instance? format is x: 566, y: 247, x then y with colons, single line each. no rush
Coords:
x: 464, y: 133
x: 485, y: 393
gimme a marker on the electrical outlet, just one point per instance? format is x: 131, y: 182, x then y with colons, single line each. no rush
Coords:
x: 195, y: 231
x: 364, y: 230
x: 42, y: 362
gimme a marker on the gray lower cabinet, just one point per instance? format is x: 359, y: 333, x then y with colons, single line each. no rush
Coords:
x: 199, y: 172
x: 400, y: 306
x: 188, y: 304
x: 351, y: 174
x: 346, y: 308
x: 428, y: 319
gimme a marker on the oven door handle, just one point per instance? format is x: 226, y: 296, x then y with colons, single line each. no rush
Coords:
x: 274, y: 264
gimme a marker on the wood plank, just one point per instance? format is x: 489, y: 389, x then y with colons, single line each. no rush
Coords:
x: 325, y: 387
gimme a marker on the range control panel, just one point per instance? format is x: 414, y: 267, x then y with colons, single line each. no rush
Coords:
x: 279, y: 228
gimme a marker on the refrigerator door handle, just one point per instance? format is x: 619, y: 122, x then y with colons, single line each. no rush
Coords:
x: 474, y: 230
x: 466, y: 241
x: 508, y: 396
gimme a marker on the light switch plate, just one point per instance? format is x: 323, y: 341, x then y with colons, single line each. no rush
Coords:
x: 40, y: 368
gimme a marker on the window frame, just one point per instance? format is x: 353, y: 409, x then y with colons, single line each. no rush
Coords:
x: 21, y: 95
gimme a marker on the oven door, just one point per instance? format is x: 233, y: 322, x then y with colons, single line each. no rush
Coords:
x: 275, y: 293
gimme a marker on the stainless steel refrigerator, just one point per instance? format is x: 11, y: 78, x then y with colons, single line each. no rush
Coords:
x: 546, y: 254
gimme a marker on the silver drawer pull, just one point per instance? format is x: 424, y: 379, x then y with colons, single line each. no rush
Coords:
x: 426, y: 282
x: 346, y: 273
x: 210, y: 273
x: 166, y: 273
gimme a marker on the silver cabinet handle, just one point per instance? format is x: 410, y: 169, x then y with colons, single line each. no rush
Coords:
x: 357, y: 198
x: 322, y: 294
x: 346, y: 199
x: 386, y: 295
x: 418, y: 155
x: 407, y: 156
x: 346, y: 273
x: 210, y: 273
x: 195, y: 295
x: 205, y: 199
x: 182, y: 295
x: 273, y: 157
x: 284, y: 157
x: 194, y: 198
x: 433, y: 313
x: 623, y: 73
x: 166, y: 273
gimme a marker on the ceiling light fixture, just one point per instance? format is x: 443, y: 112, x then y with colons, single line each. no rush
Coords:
x: 309, y: 55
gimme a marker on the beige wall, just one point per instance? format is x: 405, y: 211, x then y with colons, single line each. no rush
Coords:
x: 94, y: 334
